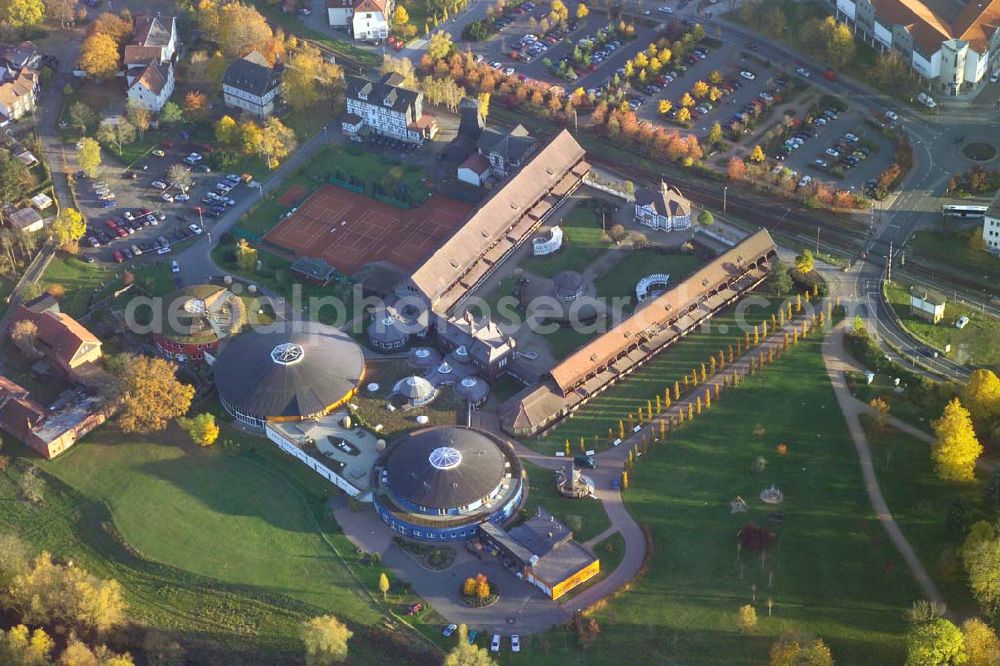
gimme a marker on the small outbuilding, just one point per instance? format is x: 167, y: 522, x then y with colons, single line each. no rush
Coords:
x: 927, y: 304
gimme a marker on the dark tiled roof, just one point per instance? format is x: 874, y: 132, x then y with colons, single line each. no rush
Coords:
x: 668, y: 200
x: 252, y: 74
x: 378, y: 92
x: 513, y: 146
x: 329, y: 370
x: 151, y: 31
x: 414, y: 478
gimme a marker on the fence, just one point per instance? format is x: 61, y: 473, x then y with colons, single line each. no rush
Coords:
x: 608, y: 183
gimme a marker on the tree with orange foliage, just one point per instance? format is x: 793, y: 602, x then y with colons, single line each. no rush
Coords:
x: 195, y: 103
x: 737, y: 169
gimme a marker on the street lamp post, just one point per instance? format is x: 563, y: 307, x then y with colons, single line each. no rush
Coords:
x: 725, y: 188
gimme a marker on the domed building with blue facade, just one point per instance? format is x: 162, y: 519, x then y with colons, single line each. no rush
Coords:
x: 442, y: 483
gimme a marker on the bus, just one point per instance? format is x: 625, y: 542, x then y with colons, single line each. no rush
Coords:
x: 963, y: 211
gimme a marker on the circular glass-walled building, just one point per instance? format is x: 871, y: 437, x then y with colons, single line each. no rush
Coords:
x: 288, y: 375
x: 441, y: 483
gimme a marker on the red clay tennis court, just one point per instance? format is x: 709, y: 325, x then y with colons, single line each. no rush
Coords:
x: 350, y: 230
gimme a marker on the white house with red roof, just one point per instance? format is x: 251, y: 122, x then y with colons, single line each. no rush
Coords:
x: 372, y: 19
x: 149, y: 62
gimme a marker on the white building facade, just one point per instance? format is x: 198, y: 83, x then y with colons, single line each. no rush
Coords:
x: 955, y: 55
x: 991, y: 231
x: 251, y: 85
x: 372, y: 19
x: 385, y: 108
x: 152, y: 88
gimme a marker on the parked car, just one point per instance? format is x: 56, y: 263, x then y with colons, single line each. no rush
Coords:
x: 748, y: 75
x: 195, y: 228
x: 495, y: 643
x: 159, y: 184
x: 472, y: 636
x: 515, y: 643
x: 158, y: 153
x: 962, y: 322
x: 118, y: 256
x: 449, y: 630
x: 413, y: 609
x: 926, y: 100
x: 802, y: 71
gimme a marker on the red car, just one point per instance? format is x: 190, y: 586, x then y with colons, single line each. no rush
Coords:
x: 166, y: 144
x: 119, y: 257
x: 145, y: 211
x: 414, y: 609
x: 111, y: 224
x: 121, y: 232
x: 198, y: 210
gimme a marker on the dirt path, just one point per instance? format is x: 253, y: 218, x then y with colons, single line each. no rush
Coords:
x: 837, y: 363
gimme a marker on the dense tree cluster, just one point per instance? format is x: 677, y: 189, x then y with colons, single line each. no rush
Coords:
x: 272, y: 140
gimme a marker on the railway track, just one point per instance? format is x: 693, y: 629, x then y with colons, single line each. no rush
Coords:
x: 790, y: 219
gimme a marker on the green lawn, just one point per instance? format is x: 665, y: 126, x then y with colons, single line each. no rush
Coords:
x: 831, y: 572
x: 901, y: 405
x: 953, y: 249
x: 919, y: 502
x: 975, y: 344
x: 621, y: 280
x: 610, y: 551
x: 604, y: 411
x: 155, y: 278
x: 583, y: 242
x: 82, y: 282
x: 542, y: 492
x: 276, y: 276
x: 230, y: 544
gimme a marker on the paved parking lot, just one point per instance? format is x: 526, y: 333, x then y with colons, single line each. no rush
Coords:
x: 497, y: 48
x: 802, y: 160
x: 173, y: 220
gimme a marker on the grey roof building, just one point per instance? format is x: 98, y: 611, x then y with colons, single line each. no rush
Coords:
x: 288, y: 375
x: 664, y: 209
x: 445, y: 468
x: 506, y: 151
x: 251, y: 85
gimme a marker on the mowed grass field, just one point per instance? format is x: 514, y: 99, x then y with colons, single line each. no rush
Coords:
x: 231, y: 543
x: 583, y: 242
x: 919, y: 502
x: 604, y: 411
x: 542, y: 492
x: 831, y: 571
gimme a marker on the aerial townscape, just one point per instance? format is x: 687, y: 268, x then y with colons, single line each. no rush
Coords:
x: 487, y: 332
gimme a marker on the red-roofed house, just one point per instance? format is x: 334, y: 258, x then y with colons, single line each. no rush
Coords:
x: 149, y: 68
x: 474, y: 170
x: 955, y: 46
x: 372, y: 19
x: 62, y: 340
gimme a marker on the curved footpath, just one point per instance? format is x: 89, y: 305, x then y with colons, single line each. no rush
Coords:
x: 837, y: 362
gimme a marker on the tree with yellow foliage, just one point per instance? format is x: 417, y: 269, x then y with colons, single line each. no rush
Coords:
x: 151, y: 395
x: 757, y: 154
x: 325, y: 639
x: 559, y: 11
x: 99, y: 56
x: 68, y: 227
x: 683, y: 114
x: 686, y: 100
x: 957, y: 448
x: 202, y: 429
x: 665, y: 106
x: 981, y: 396
x: 582, y: 11
x: 699, y: 89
